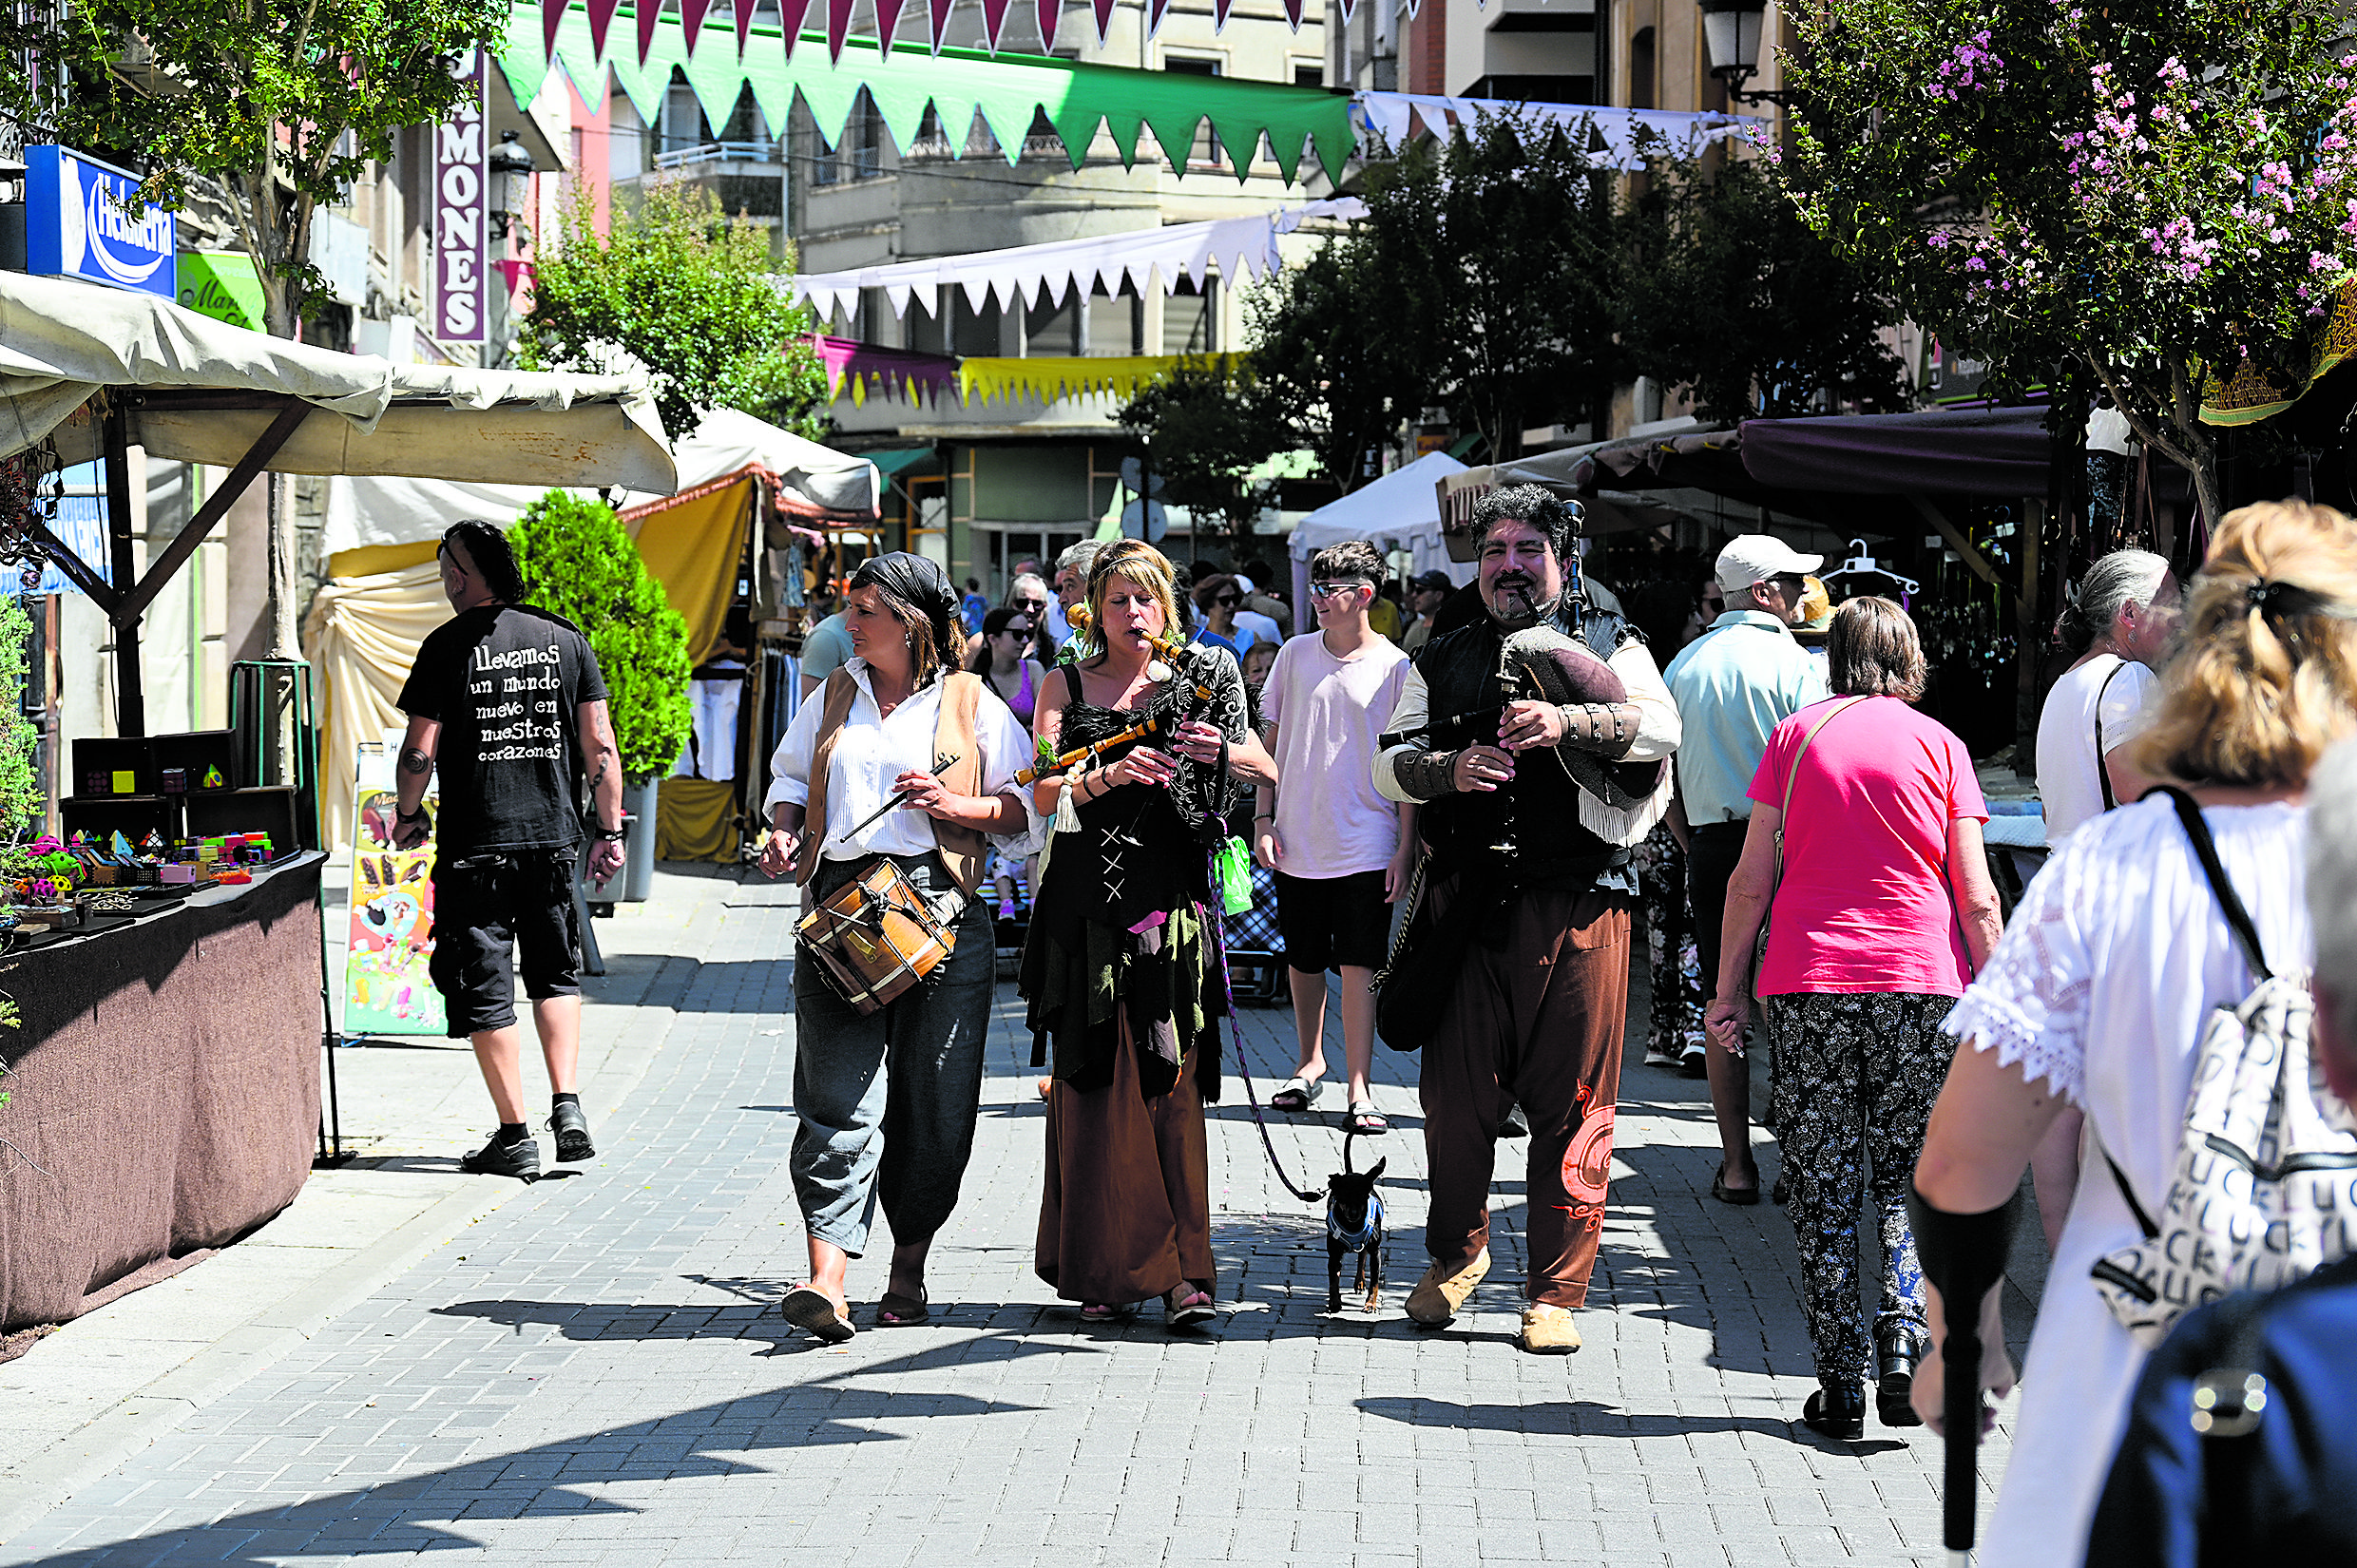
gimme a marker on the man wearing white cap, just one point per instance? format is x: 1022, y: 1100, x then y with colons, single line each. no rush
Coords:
x: 1732, y: 686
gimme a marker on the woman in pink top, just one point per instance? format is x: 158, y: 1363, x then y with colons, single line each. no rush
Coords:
x: 1883, y: 912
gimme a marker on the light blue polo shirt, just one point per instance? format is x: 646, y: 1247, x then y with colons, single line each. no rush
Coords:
x: 1732, y: 686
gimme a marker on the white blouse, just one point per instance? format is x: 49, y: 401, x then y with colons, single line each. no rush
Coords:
x: 872, y: 749
x: 2102, y: 985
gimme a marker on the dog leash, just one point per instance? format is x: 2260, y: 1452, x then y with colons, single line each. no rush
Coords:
x: 1219, y: 955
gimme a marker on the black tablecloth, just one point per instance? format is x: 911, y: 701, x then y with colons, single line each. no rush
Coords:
x: 164, y: 1089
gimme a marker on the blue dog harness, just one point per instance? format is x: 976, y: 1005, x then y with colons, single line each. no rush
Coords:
x: 1356, y: 1241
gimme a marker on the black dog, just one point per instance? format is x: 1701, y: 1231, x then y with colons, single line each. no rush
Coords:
x: 1355, y: 1224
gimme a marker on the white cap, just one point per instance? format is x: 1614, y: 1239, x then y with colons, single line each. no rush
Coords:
x: 1243, y: 585
x: 1750, y: 558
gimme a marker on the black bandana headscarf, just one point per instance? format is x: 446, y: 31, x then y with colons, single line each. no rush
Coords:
x: 923, y: 587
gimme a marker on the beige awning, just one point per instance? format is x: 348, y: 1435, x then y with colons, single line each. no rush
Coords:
x: 195, y: 389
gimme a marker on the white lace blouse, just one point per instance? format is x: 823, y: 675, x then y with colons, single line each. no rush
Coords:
x: 2100, y: 986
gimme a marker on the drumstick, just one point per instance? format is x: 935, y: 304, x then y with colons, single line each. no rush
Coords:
x: 899, y: 798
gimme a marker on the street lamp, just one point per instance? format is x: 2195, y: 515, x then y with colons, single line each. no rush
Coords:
x: 1731, y: 30
x: 511, y: 183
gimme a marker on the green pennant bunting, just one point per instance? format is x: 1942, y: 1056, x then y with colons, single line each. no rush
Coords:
x: 1006, y: 89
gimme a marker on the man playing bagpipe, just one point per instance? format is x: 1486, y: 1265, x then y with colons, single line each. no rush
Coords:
x: 1535, y: 743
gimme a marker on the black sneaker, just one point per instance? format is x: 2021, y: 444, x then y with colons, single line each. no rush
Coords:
x: 520, y: 1159
x: 572, y: 1130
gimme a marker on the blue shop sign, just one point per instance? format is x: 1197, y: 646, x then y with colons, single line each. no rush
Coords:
x: 75, y: 226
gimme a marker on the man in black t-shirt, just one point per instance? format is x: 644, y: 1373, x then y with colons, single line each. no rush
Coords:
x: 508, y: 702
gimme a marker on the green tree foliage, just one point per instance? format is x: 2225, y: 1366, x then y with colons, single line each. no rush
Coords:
x: 2128, y: 193
x: 273, y: 107
x: 1328, y: 360
x: 21, y: 800
x: 578, y: 562
x: 1206, y: 425
x: 1728, y: 294
x: 679, y: 290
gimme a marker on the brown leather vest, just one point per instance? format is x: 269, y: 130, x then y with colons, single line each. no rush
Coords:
x: 953, y: 735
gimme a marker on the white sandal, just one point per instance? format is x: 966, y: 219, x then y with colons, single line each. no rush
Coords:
x: 1304, y: 1093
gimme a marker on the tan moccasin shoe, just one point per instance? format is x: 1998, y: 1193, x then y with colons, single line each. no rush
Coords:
x: 1549, y: 1330
x: 1440, y: 1294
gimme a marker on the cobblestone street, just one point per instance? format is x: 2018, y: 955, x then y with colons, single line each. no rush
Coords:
x: 594, y: 1372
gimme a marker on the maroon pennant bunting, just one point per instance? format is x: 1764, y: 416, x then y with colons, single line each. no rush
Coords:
x: 838, y: 26
x: 994, y: 21
x: 1220, y: 10
x: 692, y: 20
x: 551, y: 17
x: 1155, y: 11
x: 648, y: 12
x: 601, y: 14
x: 744, y: 27
x: 1105, y: 16
x: 1293, y: 13
x: 938, y: 25
x: 790, y: 16
x: 1049, y: 13
x: 887, y: 23
x: 1348, y: 7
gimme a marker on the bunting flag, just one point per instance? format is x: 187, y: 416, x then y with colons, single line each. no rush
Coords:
x: 552, y: 14
x: 1235, y: 248
x: 838, y: 31
x: 1008, y: 91
x: 648, y: 15
x: 1625, y: 137
x: 938, y: 22
x: 745, y: 10
x: 1220, y: 10
x: 1048, y: 13
x: 887, y: 23
x: 1293, y: 13
x: 790, y: 14
x: 1156, y: 11
x: 861, y: 370
x: 1047, y: 379
x: 600, y: 17
x: 1105, y: 17
x: 993, y: 21
x: 692, y: 21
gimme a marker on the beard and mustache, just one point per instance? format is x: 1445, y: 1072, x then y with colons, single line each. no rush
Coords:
x: 1514, y: 596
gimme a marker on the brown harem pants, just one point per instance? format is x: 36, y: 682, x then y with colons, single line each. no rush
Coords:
x: 1537, y: 1019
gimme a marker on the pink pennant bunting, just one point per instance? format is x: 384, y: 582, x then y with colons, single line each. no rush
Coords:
x: 551, y: 17
x: 838, y: 26
x: 1105, y: 16
x: 1220, y: 10
x: 937, y: 20
x: 692, y: 20
x: 790, y: 17
x: 1049, y: 13
x: 648, y: 12
x: 601, y: 15
x: 1155, y: 11
x: 744, y: 27
x: 887, y: 22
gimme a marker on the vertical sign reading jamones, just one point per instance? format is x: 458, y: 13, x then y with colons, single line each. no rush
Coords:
x: 459, y: 192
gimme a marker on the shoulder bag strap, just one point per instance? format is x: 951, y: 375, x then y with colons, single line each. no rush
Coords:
x: 838, y: 694
x: 2102, y: 774
x: 2205, y: 848
x: 1792, y: 777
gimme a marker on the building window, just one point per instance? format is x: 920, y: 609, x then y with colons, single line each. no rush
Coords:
x: 1052, y: 330
x: 864, y: 139
x: 1308, y: 76
x: 1116, y: 326
x: 680, y: 124
x: 1191, y: 318
x: 1643, y: 71
x: 1206, y: 148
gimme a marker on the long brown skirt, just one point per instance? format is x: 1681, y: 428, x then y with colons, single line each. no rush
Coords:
x: 1126, y: 1213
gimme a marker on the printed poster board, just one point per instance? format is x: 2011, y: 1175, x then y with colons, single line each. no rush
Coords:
x: 386, y: 990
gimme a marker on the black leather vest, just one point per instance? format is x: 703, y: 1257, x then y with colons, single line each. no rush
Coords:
x: 1526, y: 834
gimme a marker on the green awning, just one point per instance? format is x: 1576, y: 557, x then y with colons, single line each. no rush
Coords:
x: 1463, y: 447
x: 1006, y: 89
x: 898, y: 459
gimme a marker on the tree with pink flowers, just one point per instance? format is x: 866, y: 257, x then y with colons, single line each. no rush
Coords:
x: 2132, y: 195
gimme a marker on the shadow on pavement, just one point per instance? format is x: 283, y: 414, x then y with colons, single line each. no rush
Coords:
x: 1584, y: 1418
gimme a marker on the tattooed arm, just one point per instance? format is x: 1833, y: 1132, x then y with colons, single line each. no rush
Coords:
x: 412, y: 772
x: 603, y: 761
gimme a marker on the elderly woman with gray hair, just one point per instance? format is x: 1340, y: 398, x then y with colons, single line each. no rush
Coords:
x: 1865, y: 838
x: 2120, y: 629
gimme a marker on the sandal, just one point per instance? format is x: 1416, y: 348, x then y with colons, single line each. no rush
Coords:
x: 1742, y: 1197
x: 1103, y: 1312
x: 1184, y: 1306
x: 898, y: 1311
x: 1366, y: 1121
x: 808, y: 1308
x: 1297, y: 1094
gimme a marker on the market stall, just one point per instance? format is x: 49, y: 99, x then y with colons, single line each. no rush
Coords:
x: 165, y: 1090
x: 754, y: 503
x: 1400, y: 511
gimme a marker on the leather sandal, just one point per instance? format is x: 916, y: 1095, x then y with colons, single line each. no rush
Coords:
x: 1184, y: 1305
x: 1297, y: 1094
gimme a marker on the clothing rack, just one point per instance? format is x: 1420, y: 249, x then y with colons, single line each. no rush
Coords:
x: 1862, y: 564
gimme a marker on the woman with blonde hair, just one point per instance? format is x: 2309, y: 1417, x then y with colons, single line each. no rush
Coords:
x: 1121, y: 968
x: 2096, y: 995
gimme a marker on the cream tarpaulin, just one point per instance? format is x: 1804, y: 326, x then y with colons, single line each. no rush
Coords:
x: 364, y: 634
x: 210, y: 389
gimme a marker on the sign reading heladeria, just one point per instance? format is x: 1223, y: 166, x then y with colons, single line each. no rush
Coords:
x: 459, y: 215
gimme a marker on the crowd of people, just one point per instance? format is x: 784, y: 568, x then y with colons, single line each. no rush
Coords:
x: 1467, y: 836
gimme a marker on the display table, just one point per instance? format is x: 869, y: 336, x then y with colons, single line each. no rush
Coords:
x: 165, y: 1089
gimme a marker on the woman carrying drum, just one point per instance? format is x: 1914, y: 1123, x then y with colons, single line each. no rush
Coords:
x: 887, y: 1098
x: 1121, y: 969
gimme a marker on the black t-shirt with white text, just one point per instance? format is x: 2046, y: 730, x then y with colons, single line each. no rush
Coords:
x: 504, y: 681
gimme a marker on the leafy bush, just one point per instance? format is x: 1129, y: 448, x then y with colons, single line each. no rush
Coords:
x: 578, y: 562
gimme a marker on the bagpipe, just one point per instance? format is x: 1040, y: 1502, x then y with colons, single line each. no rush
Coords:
x: 1186, y: 693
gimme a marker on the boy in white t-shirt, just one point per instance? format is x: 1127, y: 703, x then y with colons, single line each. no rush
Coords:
x: 1340, y: 850
x: 2127, y: 610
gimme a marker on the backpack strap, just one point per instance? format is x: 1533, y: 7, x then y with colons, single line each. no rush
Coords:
x: 2102, y: 774
x: 2205, y: 848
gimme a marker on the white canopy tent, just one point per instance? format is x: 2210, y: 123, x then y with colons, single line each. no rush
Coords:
x: 1400, y: 511
x: 813, y: 480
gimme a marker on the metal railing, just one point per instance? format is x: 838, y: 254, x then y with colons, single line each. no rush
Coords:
x: 718, y: 152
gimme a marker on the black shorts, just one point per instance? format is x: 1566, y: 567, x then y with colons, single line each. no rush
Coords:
x: 1332, y: 921
x: 486, y: 909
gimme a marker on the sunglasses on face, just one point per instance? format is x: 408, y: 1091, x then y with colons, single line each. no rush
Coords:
x: 1228, y: 599
x: 1015, y: 631
x: 1332, y: 590
x: 1033, y: 605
